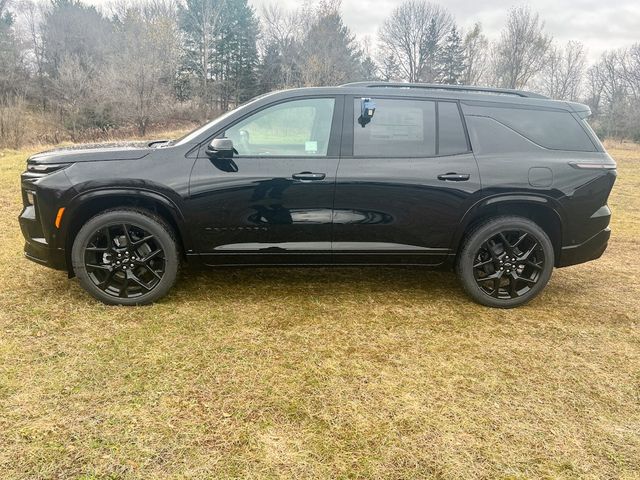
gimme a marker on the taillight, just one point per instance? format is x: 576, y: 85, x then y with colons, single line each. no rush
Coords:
x: 593, y: 165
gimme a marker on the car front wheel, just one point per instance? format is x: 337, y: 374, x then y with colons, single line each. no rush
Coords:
x: 505, y: 262
x: 126, y: 257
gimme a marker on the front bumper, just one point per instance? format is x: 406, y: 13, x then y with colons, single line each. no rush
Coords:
x: 586, y: 251
x: 36, y: 247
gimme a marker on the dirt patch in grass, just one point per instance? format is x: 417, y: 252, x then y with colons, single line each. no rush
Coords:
x: 322, y: 373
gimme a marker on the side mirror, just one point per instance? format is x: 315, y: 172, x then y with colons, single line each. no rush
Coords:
x: 367, y: 109
x: 220, y: 148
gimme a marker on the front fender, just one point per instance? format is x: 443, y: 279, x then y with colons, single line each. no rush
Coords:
x: 87, y: 200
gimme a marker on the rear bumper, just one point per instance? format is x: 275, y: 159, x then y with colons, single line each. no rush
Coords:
x: 586, y: 251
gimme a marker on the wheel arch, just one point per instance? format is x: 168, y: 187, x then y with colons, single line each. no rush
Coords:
x: 89, y: 204
x: 540, y: 210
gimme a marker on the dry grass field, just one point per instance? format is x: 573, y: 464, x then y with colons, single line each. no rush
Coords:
x: 322, y: 373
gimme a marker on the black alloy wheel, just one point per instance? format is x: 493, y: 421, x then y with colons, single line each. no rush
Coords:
x: 124, y: 260
x: 126, y: 257
x: 505, y: 262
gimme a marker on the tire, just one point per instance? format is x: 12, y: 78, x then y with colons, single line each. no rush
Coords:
x: 505, y: 262
x: 126, y: 257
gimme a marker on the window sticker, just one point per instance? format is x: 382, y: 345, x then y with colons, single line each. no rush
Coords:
x: 311, y: 147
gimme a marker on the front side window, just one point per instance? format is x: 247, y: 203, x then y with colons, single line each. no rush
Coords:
x: 399, y: 128
x: 295, y: 128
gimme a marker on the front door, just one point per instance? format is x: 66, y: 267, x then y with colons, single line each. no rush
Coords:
x: 271, y: 203
x: 404, y: 182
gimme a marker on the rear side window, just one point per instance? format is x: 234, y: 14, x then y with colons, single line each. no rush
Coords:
x: 555, y: 130
x: 399, y: 128
x: 407, y: 128
x: 451, y: 136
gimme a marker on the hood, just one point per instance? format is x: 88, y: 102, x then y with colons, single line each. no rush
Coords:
x: 95, y: 152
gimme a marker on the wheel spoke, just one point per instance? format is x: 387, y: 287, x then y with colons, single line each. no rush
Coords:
x: 107, y: 281
x: 519, y: 241
x: 109, y: 240
x: 127, y: 235
x: 525, y: 255
x: 142, y: 240
x: 537, y: 266
x: 124, y: 287
x: 140, y: 282
x: 97, y: 249
x: 156, y: 274
x: 513, y: 285
x: 506, y: 245
x: 483, y: 263
x: 526, y: 280
x: 150, y: 256
x: 93, y: 266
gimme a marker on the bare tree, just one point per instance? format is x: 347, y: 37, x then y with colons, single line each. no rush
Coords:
x: 630, y: 65
x: 144, y: 66
x: 34, y: 13
x: 476, y: 47
x: 412, y: 35
x: 72, y: 88
x: 521, y: 51
x: 563, y: 73
x: 283, y: 33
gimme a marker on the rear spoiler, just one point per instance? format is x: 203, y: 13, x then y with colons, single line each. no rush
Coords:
x: 580, y: 109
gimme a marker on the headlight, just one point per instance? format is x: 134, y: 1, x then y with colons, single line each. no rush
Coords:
x: 31, y: 197
x: 45, y: 168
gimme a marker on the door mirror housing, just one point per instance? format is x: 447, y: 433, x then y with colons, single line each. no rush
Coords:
x: 220, y: 148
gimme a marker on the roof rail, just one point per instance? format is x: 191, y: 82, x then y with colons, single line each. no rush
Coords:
x: 435, y: 86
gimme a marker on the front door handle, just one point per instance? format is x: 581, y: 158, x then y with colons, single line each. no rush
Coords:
x: 308, y: 176
x: 454, y: 177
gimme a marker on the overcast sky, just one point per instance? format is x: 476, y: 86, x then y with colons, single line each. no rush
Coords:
x: 599, y: 24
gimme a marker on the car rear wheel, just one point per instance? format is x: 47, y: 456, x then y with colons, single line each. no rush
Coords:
x: 126, y: 257
x: 505, y: 262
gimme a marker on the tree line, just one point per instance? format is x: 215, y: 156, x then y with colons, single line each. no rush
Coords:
x: 69, y: 71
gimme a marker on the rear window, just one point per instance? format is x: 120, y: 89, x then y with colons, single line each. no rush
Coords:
x: 555, y: 130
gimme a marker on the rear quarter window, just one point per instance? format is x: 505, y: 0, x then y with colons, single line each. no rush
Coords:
x: 556, y: 130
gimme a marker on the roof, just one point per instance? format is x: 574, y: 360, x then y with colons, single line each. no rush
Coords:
x: 444, y: 87
x: 466, y: 93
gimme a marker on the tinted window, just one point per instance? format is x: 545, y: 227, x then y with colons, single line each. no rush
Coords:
x: 451, y: 137
x: 551, y: 129
x: 296, y: 128
x: 399, y: 128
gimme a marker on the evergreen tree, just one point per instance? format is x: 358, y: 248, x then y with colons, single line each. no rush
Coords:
x: 330, y: 52
x: 431, y: 51
x: 451, y: 57
x: 220, y: 49
x: 390, y: 68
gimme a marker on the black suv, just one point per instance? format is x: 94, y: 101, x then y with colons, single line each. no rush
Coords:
x: 501, y: 185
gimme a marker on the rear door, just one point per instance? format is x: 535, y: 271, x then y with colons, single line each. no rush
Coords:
x: 404, y: 182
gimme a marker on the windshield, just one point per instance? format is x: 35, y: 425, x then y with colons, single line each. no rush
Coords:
x: 200, y: 130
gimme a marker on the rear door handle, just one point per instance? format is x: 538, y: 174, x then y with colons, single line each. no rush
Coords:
x: 454, y: 177
x: 308, y: 176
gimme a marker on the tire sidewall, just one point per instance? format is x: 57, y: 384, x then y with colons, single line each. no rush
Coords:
x: 486, y: 231
x: 137, y: 218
